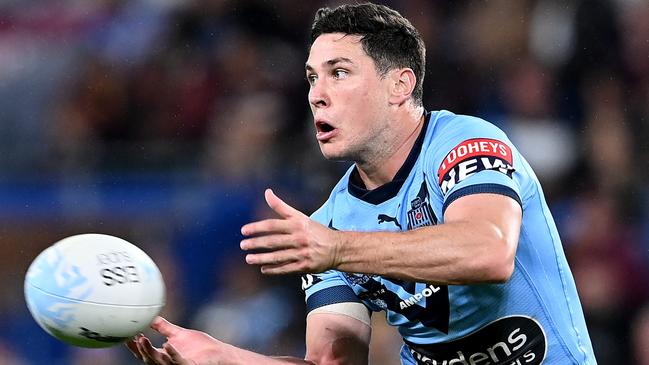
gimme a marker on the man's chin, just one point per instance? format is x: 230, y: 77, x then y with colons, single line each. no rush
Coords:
x: 332, y: 155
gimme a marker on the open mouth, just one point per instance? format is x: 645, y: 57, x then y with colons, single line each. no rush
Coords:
x: 325, y: 131
x: 324, y: 127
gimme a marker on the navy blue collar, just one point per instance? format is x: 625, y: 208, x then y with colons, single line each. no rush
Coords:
x: 389, y: 190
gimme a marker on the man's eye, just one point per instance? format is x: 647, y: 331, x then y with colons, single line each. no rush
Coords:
x: 311, y: 79
x: 340, y: 74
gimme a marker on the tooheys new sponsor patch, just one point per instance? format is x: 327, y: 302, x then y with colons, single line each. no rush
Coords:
x: 472, y: 156
x: 514, y: 340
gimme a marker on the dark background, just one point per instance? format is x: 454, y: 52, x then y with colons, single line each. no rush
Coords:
x: 162, y: 121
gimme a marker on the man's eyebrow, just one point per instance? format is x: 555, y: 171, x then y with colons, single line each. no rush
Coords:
x: 330, y: 63
x: 338, y: 60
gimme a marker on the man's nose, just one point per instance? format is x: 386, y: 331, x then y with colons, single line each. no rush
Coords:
x: 318, y: 97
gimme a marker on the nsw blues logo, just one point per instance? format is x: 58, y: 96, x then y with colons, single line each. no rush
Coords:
x: 420, y: 213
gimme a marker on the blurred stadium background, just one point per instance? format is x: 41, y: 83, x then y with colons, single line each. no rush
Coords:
x: 162, y: 121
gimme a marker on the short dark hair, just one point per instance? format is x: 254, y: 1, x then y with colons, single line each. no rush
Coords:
x: 386, y: 36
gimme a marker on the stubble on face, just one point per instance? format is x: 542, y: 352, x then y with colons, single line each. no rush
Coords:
x: 356, y: 105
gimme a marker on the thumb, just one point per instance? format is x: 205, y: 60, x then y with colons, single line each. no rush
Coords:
x: 165, y: 327
x: 279, y: 206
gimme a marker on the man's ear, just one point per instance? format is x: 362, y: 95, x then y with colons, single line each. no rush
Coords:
x: 403, y: 82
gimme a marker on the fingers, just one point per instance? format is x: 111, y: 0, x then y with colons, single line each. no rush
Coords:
x: 272, y: 242
x: 272, y: 258
x: 150, y: 354
x: 174, y: 354
x: 281, y: 269
x: 283, y: 237
x: 165, y: 327
x: 279, y: 206
x: 132, y: 346
x: 267, y: 226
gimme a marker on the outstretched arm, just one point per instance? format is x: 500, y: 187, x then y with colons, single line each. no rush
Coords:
x: 331, y: 339
x: 476, y: 244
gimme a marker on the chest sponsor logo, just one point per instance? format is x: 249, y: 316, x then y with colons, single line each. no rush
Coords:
x: 420, y: 213
x: 473, y: 156
x: 427, y: 292
x: 429, y: 306
x: 514, y: 340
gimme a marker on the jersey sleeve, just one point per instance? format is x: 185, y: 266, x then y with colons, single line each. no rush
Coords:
x: 474, y: 157
x: 325, y: 289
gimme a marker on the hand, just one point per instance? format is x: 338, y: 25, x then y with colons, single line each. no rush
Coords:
x: 183, y: 346
x: 293, y: 243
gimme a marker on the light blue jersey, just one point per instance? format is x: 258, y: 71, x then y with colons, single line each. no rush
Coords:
x: 534, y: 318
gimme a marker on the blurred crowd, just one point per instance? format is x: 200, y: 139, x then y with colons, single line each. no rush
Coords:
x: 162, y: 121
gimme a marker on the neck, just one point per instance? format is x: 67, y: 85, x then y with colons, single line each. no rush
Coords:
x: 385, y: 164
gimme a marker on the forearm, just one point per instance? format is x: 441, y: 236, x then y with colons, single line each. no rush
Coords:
x: 331, y: 339
x: 255, y: 358
x: 451, y: 253
x: 239, y: 356
x: 293, y: 360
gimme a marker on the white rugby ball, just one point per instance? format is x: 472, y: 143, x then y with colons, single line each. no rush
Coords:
x: 94, y: 290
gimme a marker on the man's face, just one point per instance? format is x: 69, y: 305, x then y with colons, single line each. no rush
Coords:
x: 348, y: 98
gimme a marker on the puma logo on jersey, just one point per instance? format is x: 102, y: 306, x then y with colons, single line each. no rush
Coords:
x: 384, y: 218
